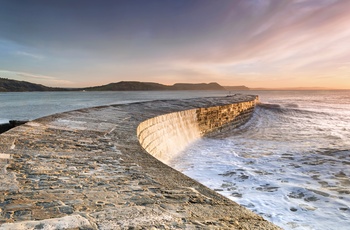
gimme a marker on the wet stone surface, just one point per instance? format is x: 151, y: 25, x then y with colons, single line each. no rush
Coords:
x: 85, y: 169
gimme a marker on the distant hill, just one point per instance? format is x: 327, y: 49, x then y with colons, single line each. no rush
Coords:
x: 136, y: 85
x: 8, y: 85
x: 240, y: 87
x: 128, y: 86
x: 200, y: 86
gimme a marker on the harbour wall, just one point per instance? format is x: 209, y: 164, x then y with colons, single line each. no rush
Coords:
x: 86, y: 169
x: 166, y: 135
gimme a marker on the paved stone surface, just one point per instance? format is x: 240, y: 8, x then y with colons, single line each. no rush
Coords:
x: 85, y: 169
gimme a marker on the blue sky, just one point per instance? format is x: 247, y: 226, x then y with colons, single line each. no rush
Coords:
x: 257, y: 43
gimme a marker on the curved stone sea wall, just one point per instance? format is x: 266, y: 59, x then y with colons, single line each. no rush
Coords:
x: 166, y: 135
x: 86, y: 169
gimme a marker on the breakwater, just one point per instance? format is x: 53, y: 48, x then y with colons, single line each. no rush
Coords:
x: 166, y: 135
x: 86, y: 169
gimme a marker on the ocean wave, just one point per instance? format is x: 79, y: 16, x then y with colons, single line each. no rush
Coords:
x: 291, y: 105
x: 291, y: 108
x: 289, y: 162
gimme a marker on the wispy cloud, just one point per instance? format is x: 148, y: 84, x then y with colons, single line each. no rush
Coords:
x: 26, y: 75
x: 30, y: 55
x: 207, y: 40
x: 41, y: 79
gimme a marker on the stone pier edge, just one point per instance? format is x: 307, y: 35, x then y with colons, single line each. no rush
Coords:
x: 136, y: 191
x: 166, y: 135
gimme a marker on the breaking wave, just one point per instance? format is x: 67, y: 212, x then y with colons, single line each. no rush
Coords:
x: 289, y: 163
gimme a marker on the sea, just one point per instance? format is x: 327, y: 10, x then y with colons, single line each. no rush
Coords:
x: 32, y: 105
x: 290, y: 163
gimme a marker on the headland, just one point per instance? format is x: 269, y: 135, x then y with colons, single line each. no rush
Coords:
x: 9, y: 85
x: 100, y: 168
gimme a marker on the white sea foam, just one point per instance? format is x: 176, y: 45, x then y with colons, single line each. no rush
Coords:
x: 289, y: 164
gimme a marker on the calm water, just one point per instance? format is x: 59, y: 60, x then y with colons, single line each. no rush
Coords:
x: 290, y: 162
x: 31, y: 105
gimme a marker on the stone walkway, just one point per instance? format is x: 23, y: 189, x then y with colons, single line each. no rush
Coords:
x: 85, y: 169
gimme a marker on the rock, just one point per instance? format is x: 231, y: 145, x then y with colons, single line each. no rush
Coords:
x: 12, y: 123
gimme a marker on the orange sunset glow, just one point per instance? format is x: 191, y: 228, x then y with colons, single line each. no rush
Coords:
x: 257, y: 43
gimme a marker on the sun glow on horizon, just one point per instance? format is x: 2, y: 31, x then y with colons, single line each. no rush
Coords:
x: 266, y: 43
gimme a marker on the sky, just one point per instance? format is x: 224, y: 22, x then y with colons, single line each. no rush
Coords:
x: 257, y: 43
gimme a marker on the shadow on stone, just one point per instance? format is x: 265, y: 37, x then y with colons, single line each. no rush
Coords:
x: 11, y: 124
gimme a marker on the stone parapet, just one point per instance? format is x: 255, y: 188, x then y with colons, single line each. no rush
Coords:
x: 86, y: 169
x: 166, y: 135
x: 218, y: 117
